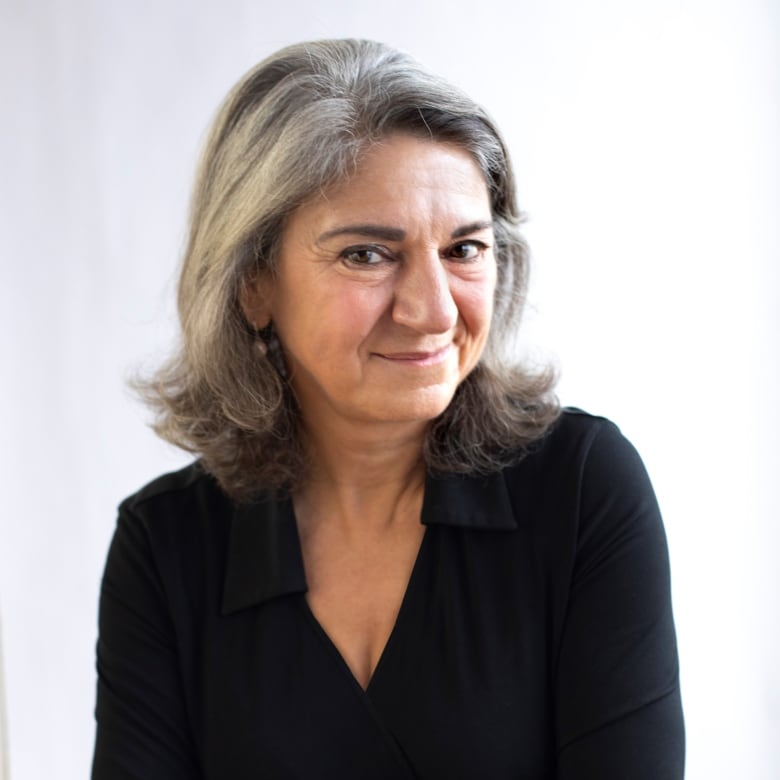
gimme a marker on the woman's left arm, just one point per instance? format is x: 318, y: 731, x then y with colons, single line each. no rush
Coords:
x: 618, y: 705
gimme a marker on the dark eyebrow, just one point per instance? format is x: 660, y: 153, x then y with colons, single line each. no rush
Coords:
x: 385, y: 233
x: 472, y: 227
x: 369, y: 231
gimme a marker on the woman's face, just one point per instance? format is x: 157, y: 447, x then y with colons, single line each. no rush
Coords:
x: 384, y: 291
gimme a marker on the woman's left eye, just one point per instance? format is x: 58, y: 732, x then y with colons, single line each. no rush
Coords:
x: 466, y: 250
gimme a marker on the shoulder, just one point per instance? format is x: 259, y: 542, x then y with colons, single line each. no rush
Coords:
x: 183, y: 513
x: 173, y: 483
x: 598, y: 451
x: 170, y: 544
x: 596, y: 491
x: 574, y: 442
x: 582, y: 475
x: 188, y: 488
x: 576, y: 430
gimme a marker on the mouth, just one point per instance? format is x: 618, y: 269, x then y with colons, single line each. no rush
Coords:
x: 422, y: 358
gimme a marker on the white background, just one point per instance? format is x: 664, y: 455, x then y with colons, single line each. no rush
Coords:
x: 645, y: 137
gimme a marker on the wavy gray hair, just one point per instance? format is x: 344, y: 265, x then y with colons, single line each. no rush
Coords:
x: 294, y: 125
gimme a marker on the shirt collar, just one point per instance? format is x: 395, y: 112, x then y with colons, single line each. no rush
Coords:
x: 264, y: 559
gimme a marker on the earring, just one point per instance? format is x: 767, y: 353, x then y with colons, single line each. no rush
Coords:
x: 261, y: 339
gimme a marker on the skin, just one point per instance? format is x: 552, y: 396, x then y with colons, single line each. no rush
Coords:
x: 382, y: 302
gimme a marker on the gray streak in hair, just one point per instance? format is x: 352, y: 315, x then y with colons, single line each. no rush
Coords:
x: 292, y: 127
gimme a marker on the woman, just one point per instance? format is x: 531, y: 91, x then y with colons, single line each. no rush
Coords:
x: 395, y: 557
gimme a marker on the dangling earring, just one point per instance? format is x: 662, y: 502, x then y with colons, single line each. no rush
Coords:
x: 261, y: 339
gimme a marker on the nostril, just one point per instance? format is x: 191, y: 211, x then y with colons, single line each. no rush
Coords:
x: 425, y: 312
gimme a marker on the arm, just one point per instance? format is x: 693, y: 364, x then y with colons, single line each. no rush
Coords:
x: 142, y: 727
x: 618, y: 700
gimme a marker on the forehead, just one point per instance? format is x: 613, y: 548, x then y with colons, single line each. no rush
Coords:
x: 404, y: 177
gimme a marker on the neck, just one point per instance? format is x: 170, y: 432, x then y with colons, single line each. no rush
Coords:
x: 363, y: 477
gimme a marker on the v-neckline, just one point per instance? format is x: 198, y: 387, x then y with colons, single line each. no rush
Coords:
x: 397, y: 624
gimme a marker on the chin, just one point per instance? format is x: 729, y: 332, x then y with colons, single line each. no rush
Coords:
x: 423, y: 409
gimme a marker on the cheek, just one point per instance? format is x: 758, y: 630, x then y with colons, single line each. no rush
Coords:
x: 475, y: 303
x: 356, y: 310
x: 338, y: 322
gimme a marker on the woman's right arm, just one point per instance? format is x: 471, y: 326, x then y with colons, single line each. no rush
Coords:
x: 143, y: 730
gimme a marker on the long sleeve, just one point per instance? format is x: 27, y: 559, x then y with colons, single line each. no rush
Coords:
x: 142, y: 727
x: 535, y: 639
x: 618, y: 704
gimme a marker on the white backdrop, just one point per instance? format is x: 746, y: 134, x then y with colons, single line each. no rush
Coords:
x: 645, y: 140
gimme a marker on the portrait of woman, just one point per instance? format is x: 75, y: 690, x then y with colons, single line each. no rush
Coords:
x: 394, y: 555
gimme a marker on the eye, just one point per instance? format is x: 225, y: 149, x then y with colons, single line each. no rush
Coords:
x: 363, y: 255
x: 465, y: 251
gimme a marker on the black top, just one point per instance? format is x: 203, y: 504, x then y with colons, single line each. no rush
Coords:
x: 535, y: 639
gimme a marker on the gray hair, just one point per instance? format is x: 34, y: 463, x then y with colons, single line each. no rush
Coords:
x: 295, y: 125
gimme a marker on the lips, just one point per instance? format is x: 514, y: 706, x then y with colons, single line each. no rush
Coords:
x: 423, y: 358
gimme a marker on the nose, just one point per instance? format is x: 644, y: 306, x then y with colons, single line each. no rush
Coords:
x: 422, y: 297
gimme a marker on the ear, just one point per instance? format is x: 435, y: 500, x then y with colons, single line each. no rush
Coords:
x: 254, y: 297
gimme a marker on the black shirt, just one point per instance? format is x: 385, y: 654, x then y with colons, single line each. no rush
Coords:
x: 535, y: 639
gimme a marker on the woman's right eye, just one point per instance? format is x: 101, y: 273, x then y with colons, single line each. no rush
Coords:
x: 362, y: 255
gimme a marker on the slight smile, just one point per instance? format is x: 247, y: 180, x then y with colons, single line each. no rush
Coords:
x: 417, y: 358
